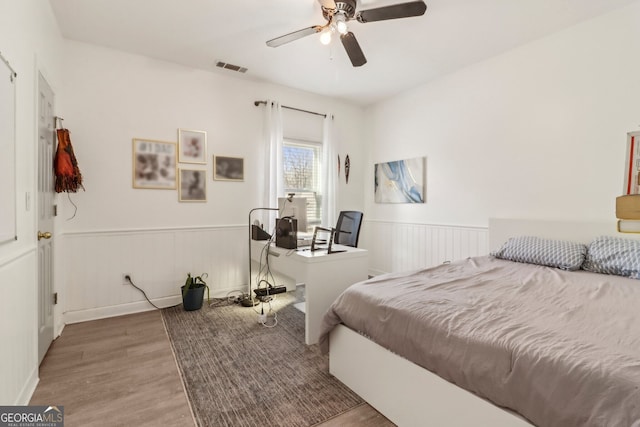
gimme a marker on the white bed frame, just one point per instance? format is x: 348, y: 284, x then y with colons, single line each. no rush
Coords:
x: 410, y: 395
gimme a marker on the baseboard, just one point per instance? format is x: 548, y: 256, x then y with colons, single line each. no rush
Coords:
x: 119, y: 310
x: 58, y: 328
x: 227, y: 292
x: 29, y: 388
x: 301, y: 306
x: 135, y: 307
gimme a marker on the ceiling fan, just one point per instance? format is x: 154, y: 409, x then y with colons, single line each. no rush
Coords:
x: 339, y: 12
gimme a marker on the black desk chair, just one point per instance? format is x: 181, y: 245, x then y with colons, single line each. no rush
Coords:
x: 348, y: 228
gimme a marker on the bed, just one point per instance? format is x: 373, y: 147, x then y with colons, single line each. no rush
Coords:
x: 494, y: 342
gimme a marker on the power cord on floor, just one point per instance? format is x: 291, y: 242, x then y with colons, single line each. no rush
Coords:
x: 262, y: 316
x: 128, y: 279
x: 229, y: 299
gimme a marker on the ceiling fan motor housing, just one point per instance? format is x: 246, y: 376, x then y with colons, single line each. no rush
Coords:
x: 346, y: 7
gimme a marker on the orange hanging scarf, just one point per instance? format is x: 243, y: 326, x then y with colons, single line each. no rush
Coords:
x: 65, y: 165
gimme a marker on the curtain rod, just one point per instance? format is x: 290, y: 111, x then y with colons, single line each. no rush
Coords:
x: 256, y: 103
x: 13, y: 72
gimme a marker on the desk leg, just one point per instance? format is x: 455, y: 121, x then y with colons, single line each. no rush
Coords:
x: 325, y: 282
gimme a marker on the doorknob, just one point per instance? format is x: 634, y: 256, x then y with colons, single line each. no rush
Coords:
x: 45, y: 235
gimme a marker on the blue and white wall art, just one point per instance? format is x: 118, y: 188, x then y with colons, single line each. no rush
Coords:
x: 400, y: 181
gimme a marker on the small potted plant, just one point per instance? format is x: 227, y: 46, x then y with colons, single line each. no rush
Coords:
x: 193, y: 292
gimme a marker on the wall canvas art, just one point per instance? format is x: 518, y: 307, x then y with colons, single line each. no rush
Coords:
x: 400, y: 181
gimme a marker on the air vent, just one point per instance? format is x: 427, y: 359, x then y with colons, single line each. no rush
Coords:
x: 231, y: 67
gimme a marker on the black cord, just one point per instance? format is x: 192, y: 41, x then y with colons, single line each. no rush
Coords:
x: 264, y: 270
x: 128, y: 278
x: 265, y: 254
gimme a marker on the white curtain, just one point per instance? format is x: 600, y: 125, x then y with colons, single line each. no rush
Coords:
x: 273, y: 183
x: 329, y: 174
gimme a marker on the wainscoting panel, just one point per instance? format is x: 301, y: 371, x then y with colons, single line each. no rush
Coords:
x: 18, y: 327
x: 395, y: 246
x: 158, y: 262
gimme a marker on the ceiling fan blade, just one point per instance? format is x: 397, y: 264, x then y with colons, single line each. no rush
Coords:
x: 353, y: 49
x: 401, y: 10
x: 279, y: 41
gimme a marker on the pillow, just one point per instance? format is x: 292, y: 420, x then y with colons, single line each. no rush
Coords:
x: 536, y: 250
x: 614, y: 255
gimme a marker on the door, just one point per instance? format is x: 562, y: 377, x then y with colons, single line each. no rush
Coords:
x: 46, y: 143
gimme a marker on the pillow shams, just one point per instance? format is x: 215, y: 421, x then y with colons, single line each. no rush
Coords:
x: 535, y: 250
x: 614, y: 255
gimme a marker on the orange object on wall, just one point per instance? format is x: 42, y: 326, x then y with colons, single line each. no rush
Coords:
x: 65, y: 165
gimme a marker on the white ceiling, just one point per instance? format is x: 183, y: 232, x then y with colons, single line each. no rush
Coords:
x: 401, y: 53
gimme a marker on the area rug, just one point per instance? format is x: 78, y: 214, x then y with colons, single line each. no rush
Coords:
x: 237, y: 372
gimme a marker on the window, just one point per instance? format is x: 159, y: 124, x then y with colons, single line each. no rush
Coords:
x: 302, y: 166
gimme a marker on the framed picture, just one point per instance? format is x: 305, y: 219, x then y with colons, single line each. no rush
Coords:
x: 193, y: 185
x: 400, y: 181
x: 632, y: 165
x: 192, y: 145
x: 228, y: 168
x: 154, y: 164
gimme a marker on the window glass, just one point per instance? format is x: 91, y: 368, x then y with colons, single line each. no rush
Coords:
x: 302, y: 166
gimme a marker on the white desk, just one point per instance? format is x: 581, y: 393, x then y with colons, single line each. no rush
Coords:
x: 325, y: 276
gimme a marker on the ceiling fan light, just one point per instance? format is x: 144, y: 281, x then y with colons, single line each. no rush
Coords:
x: 325, y: 37
x: 340, y: 23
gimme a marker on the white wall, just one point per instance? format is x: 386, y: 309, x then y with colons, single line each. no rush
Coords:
x: 111, y: 97
x: 30, y: 41
x: 538, y: 132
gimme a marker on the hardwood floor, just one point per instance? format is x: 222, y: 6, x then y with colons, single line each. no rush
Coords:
x: 121, y: 371
x: 117, y: 371
x: 362, y: 415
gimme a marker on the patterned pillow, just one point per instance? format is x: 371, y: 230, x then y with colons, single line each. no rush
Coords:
x: 535, y: 250
x: 614, y: 255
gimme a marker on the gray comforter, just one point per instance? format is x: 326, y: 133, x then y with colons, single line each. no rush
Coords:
x: 560, y: 348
